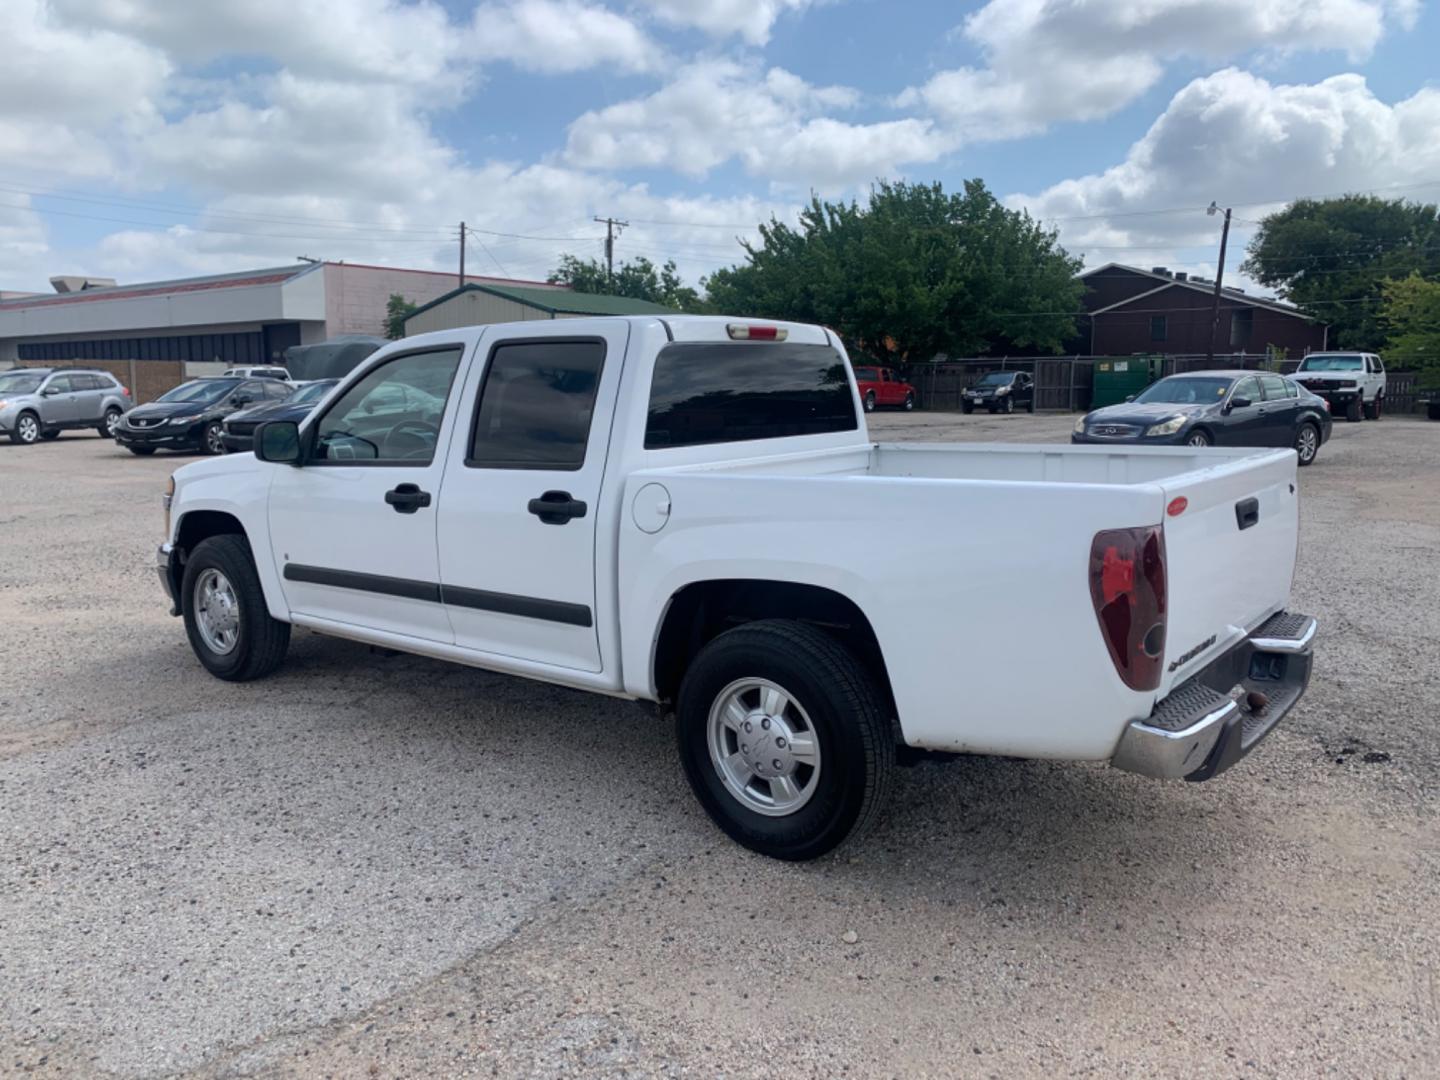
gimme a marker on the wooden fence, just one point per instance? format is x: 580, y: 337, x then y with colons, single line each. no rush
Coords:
x: 1066, y: 382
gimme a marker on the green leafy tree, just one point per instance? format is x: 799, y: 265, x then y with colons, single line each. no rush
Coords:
x: 1332, y: 257
x: 639, y: 279
x: 1411, y: 315
x: 913, y: 273
x: 396, y: 309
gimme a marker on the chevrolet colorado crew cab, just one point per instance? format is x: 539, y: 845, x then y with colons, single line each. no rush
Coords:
x: 689, y: 511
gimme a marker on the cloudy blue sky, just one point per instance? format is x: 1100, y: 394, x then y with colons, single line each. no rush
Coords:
x: 145, y: 139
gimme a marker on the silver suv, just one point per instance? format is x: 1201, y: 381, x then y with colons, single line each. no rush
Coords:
x: 39, y: 403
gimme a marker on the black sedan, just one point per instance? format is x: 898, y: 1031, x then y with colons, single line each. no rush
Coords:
x: 1215, y: 408
x: 238, y: 432
x: 189, y: 417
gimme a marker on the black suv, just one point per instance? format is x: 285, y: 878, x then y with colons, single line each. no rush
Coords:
x: 190, y: 416
x: 1001, y: 391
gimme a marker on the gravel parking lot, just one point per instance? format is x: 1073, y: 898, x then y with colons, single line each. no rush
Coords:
x: 371, y: 866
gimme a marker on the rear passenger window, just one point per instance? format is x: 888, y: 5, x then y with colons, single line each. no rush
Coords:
x: 1274, y: 387
x: 713, y: 392
x: 536, y: 404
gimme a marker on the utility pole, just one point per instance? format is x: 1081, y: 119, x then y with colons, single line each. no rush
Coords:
x: 612, y: 230
x: 462, y: 254
x: 1212, y: 210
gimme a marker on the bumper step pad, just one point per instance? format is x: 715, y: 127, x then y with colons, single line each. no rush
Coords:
x: 1187, y: 706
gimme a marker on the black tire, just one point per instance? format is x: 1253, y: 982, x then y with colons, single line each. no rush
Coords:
x: 870, y: 401
x: 27, y: 429
x: 909, y: 402
x: 106, y: 429
x: 1200, y: 437
x: 141, y: 451
x: 1302, y: 447
x: 210, y: 440
x: 967, y: 407
x: 261, y: 641
x: 1008, y: 406
x: 1374, y: 410
x: 50, y: 434
x: 850, y: 724
x: 1353, y: 411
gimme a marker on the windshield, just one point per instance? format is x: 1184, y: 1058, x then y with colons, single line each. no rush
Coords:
x: 306, y: 394
x: 1183, y: 391
x: 866, y: 374
x: 1333, y: 363
x: 995, y: 378
x: 201, y: 392
x: 16, y: 383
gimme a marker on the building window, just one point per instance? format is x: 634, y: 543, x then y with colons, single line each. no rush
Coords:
x: 1242, y: 322
x: 1157, y: 328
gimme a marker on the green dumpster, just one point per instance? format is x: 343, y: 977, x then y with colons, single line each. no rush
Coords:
x: 1118, y: 378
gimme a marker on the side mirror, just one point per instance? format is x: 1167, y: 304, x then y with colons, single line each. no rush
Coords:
x: 1240, y: 403
x: 1129, y: 397
x: 241, y: 400
x: 278, y: 442
x: 50, y: 391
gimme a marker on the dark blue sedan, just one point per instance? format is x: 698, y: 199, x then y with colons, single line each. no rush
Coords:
x: 1215, y: 408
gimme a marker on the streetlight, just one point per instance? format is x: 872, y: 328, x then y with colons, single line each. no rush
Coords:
x: 1211, y: 211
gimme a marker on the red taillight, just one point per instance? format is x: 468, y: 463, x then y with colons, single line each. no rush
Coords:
x: 125, y: 390
x: 1177, y: 506
x: 744, y: 332
x: 1127, y: 587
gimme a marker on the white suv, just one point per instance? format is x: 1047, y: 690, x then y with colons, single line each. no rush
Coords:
x: 1352, y: 382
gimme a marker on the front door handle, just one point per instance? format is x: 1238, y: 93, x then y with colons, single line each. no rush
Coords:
x: 407, y: 498
x: 557, y: 507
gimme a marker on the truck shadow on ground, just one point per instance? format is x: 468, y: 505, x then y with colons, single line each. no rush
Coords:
x: 950, y: 829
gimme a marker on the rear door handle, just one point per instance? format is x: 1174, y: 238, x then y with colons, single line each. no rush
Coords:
x: 557, y: 507
x: 407, y: 498
x: 1247, y: 513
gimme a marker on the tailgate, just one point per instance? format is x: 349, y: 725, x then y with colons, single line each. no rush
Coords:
x: 1230, y: 555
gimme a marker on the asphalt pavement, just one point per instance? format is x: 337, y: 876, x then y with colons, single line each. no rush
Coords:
x: 389, y: 866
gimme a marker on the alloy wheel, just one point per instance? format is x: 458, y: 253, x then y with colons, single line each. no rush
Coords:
x: 217, y: 611
x: 764, y: 747
x: 1307, y: 443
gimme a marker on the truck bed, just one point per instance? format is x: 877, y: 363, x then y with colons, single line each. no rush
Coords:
x: 972, y: 563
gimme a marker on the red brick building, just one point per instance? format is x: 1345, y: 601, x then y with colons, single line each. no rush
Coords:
x: 1160, y: 311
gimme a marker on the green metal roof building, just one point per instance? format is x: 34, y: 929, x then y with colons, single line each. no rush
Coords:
x: 484, y: 305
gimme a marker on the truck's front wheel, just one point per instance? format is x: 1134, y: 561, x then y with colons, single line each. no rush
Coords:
x: 784, y: 739
x: 226, y: 619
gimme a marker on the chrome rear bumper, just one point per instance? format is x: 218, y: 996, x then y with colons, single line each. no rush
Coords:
x: 1211, y: 721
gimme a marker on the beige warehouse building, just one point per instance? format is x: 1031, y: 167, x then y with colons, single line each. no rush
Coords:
x: 485, y: 305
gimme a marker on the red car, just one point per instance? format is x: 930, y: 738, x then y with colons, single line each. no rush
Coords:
x: 879, y: 386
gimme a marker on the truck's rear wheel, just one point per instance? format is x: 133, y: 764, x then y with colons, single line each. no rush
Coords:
x: 1372, y: 411
x: 226, y: 619
x: 784, y: 739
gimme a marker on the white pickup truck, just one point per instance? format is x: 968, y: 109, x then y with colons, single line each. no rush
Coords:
x: 689, y: 511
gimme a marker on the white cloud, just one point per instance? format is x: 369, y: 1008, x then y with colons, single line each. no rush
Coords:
x: 371, y: 40
x: 751, y: 20
x: 1238, y: 139
x: 773, y: 123
x: 1048, y: 61
x: 561, y: 36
